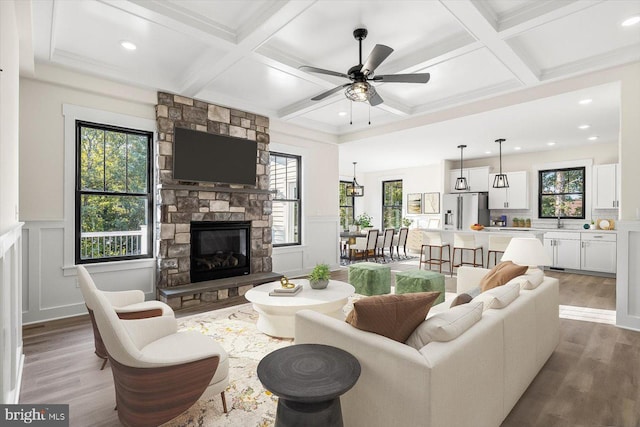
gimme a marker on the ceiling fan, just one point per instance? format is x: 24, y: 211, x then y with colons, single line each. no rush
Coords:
x: 360, y: 89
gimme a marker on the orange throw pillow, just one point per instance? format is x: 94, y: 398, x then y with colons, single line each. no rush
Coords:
x: 501, y: 274
x: 393, y: 316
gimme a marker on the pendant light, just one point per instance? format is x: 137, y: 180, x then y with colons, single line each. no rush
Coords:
x: 500, y: 180
x: 461, y: 182
x: 355, y: 189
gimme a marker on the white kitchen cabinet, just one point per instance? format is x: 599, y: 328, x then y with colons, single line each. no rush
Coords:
x: 606, y: 186
x: 477, y: 179
x: 563, y: 249
x: 598, y: 252
x: 516, y: 196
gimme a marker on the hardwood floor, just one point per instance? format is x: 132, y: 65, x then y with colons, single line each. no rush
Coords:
x: 592, y: 379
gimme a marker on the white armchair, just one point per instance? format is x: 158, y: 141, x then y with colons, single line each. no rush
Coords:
x: 127, y: 304
x: 158, y: 372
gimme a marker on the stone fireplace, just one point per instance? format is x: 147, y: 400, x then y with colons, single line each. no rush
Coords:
x: 182, y: 204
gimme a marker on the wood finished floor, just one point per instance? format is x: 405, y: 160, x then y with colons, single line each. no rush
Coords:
x: 592, y: 379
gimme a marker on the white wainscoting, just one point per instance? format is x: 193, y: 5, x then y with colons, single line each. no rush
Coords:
x: 321, y: 236
x: 50, y: 289
x: 11, y: 356
x: 628, y: 275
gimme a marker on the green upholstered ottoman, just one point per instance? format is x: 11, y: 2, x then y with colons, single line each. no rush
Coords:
x: 420, y: 281
x: 370, y: 278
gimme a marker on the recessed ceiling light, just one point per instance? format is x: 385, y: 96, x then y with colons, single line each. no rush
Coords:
x: 128, y: 45
x: 631, y: 21
x: 487, y: 152
x: 593, y: 138
x: 342, y: 113
x: 585, y: 101
x: 584, y: 127
x: 551, y: 143
x: 517, y: 148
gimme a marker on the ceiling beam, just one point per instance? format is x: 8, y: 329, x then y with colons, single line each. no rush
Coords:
x: 476, y: 23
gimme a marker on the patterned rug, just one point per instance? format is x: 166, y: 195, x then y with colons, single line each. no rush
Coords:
x: 248, y: 403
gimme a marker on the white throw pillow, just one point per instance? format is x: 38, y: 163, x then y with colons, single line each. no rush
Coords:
x: 445, y: 326
x: 499, y: 297
x: 534, y: 279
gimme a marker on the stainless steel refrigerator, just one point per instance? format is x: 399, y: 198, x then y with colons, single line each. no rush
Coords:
x: 461, y: 210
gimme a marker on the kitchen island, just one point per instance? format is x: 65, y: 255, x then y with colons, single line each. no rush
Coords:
x: 570, y: 249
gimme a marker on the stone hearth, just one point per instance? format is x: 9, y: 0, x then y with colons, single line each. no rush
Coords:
x: 179, y: 203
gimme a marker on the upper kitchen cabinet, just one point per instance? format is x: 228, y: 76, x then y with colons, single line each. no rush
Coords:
x: 514, y: 197
x: 477, y: 179
x: 606, y: 186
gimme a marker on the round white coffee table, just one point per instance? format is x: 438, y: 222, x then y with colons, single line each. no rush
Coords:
x: 276, y: 314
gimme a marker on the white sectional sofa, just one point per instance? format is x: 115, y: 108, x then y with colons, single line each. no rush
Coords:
x: 472, y: 380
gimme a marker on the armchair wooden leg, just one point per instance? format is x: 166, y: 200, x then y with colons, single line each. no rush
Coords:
x: 104, y: 363
x: 224, y: 402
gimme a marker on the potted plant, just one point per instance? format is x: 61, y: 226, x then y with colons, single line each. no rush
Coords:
x: 364, y: 221
x: 319, y: 277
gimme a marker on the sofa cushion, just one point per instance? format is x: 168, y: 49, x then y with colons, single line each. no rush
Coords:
x: 445, y: 326
x: 499, y: 297
x: 466, y: 297
x: 393, y: 316
x: 534, y: 279
x: 501, y: 274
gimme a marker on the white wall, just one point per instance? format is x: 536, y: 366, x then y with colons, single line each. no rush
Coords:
x: 48, y: 110
x: 11, y: 357
x: 320, y: 209
x: 425, y: 179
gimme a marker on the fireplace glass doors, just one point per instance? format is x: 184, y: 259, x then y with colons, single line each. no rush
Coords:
x: 220, y: 249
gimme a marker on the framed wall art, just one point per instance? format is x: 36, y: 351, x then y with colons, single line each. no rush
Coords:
x: 431, y: 203
x: 414, y: 203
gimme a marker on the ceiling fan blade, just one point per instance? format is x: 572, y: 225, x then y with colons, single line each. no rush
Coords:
x: 322, y: 71
x: 403, y: 78
x: 376, y: 99
x: 379, y: 53
x: 323, y: 95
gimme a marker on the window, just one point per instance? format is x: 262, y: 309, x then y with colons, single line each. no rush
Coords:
x: 391, y: 204
x: 347, y: 213
x: 114, y: 195
x: 561, y: 193
x: 284, y: 179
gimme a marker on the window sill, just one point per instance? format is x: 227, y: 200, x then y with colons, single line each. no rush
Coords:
x: 102, y: 267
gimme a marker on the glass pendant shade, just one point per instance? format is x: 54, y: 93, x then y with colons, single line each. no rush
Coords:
x: 355, y: 189
x: 461, y: 181
x: 500, y: 180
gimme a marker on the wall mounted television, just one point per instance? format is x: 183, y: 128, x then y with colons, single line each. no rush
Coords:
x: 207, y: 157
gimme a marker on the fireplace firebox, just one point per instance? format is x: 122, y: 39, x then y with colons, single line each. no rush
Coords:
x: 220, y: 249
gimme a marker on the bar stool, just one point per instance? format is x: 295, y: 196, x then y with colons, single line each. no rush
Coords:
x: 431, y: 240
x: 497, y: 244
x: 466, y: 242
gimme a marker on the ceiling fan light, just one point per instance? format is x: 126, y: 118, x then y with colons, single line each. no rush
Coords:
x: 461, y: 183
x: 500, y: 181
x: 359, y: 91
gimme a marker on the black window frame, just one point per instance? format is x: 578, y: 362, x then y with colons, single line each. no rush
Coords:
x: 583, y: 193
x: 350, y: 220
x: 297, y: 200
x: 149, y: 194
x: 395, y: 207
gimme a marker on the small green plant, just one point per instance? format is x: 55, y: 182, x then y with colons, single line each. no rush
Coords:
x: 364, y: 220
x: 320, y: 272
x: 407, y: 222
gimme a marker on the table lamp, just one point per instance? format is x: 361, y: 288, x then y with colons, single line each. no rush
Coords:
x: 526, y: 251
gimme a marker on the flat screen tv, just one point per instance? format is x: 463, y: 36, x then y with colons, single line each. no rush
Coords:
x: 207, y: 157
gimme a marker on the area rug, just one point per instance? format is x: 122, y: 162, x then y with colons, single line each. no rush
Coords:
x: 248, y: 403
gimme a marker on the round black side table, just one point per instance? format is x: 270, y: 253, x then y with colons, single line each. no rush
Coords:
x: 309, y: 380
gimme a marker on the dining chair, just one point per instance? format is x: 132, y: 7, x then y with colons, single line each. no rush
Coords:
x: 386, y: 242
x: 366, y: 245
x: 400, y: 241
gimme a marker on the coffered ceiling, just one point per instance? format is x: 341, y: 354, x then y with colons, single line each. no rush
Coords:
x: 246, y: 53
